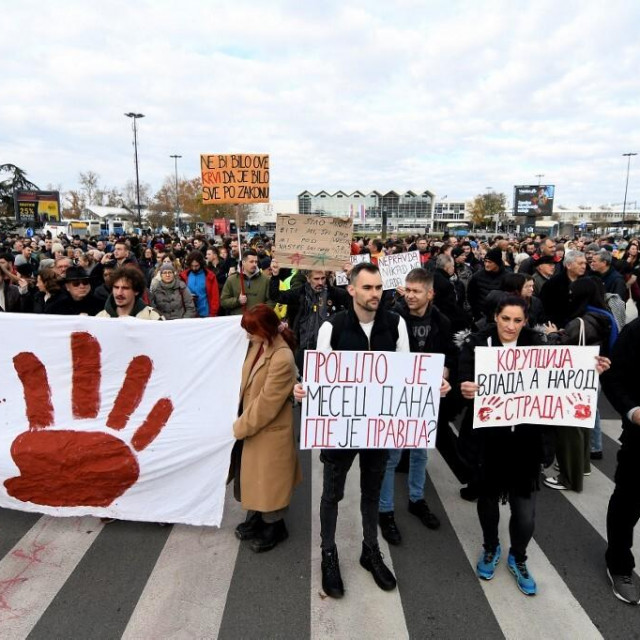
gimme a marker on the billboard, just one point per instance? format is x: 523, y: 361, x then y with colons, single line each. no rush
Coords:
x: 33, y: 207
x: 533, y: 200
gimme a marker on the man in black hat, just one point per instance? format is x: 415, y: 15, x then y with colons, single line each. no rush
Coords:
x: 482, y: 282
x: 77, y: 299
x: 545, y: 268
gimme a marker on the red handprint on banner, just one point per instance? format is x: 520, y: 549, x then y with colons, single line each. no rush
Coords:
x: 582, y: 411
x: 488, y: 405
x: 66, y: 468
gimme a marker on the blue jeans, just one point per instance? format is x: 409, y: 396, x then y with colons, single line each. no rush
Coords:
x: 596, y: 434
x: 415, y: 479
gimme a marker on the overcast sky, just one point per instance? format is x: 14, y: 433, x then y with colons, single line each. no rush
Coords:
x: 449, y: 96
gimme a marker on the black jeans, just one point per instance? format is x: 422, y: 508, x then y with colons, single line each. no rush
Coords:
x: 373, y: 463
x: 521, y: 524
x: 624, y: 506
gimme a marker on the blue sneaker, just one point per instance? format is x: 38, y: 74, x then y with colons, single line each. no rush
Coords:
x: 487, y: 563
x: 524, y: 580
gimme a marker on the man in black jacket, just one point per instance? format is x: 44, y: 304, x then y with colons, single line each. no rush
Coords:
x: 622, y: 387
x: 308, y: 306
x: 429, y: 332
x: 365, y: 327
x: 487, y: 279
x: 555, y: 294
x: 78, y: 299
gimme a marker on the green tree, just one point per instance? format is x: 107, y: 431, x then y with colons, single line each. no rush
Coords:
x: 486, y: 206
x: 17, y: 181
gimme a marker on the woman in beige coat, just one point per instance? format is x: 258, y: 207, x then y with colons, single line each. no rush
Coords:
x: 265, y: 463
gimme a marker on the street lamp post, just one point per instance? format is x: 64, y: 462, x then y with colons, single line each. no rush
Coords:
x: 135, y: 117
x: 175, y: 158
x: 626, y: 186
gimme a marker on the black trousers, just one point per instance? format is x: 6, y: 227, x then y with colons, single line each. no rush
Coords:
x: 521, y: 523
x: 624, y: 506
x: 373, y: 463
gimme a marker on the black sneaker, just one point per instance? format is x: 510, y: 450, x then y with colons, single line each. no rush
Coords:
x: 251, y: 527
x: 469, y: 493
x: 371, y: 560
x: 421, y: 510
x: 624, y: 587
x: 389, y: 528
x: 596, y: 455
x: 331, y: 579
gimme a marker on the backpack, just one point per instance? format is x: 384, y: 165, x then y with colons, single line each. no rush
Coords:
x: 618, y: 308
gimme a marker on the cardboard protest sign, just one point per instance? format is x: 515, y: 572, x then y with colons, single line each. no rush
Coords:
x: 394, y: 268
x: 111, y: 418
x: 312, y: 242
x: 341, y: 276
x: 535, y: 385
x: 370, y: 400
x: 237, y: 178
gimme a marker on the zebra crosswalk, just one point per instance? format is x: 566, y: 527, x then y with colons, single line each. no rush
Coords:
x: 78, y: 578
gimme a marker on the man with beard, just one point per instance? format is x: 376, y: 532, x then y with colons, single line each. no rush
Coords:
x: 308, y: 306
x: 487, y: 279
x: 128, y: 285
x: 256, y: 287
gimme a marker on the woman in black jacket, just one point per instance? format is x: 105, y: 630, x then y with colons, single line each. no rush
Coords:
x: 509, y: 457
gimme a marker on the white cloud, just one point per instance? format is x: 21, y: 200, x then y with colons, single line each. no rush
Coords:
x: 450, y: 96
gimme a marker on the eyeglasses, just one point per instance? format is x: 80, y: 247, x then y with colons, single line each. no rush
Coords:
x: 78, y: 283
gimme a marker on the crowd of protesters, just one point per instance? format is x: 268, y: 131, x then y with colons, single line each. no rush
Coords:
x: 468, y: 291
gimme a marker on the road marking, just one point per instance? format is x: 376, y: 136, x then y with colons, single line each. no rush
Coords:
x: 364, y: 605
x: 33, y: 572
x: 187, y: 590
x: 553, y: 613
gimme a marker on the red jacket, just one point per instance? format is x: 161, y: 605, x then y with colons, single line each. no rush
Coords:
x: 211, y: 284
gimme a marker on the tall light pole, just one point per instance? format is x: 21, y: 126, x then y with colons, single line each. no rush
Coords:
x: 135, y: 117
x: 626, y: 186
x: 539, y: 176
x: 175, y: 158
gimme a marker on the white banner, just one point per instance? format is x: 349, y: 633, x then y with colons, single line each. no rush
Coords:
x: 370, y: 400
x: 121, y: 418
x: 536, y: 385
x: 394, y: 268
x: 341, y: 276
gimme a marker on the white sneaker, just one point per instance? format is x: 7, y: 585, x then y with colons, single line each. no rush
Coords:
x: 554, y: 483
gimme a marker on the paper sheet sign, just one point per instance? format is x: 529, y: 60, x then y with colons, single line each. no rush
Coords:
x: 237, y: 178
x: 312, y: 242
x: 536, y: 385
x: 394, y: 268
x: 341, y: 276
x: 370, y: 400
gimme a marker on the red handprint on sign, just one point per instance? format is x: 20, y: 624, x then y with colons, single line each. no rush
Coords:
x: 581, y: 411
x: 488, y: 405
x: 66, y: 468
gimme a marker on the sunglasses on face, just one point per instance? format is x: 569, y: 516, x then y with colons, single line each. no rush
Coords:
x: 78, y: 283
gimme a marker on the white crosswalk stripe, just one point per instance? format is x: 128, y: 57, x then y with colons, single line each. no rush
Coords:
x: 187, y: 592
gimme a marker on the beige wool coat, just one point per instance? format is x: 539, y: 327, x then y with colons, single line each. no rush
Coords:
x: 270, y: 468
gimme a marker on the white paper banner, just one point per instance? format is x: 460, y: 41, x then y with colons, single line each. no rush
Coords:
x: 536, y: 385
x: 394, y: 268
x: 76, y: 439
x: 341, y: 276
x: 370, y: 400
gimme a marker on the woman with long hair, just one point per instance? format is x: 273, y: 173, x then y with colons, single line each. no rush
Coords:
x: 265, y: 465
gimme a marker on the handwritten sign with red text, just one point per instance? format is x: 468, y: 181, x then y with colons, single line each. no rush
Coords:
x: 394, y: 268
x: 237, y: 178
x: 370, y: 400
x: 536, y: 385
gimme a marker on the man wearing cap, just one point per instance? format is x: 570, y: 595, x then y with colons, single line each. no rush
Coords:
x: 77, y: 299
x: 545, y: 267
x: 546, y: 248
x: 482, y: 282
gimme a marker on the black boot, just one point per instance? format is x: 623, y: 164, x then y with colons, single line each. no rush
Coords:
x: 251, y: 527
x: 389, y: 528
x: 269, y: 536
x: 331, y: 579
x: 371, y: 560
x: 421, y: 510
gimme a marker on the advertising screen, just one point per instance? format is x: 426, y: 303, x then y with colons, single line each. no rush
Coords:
x: 534, y: 200
x: 37, y: 206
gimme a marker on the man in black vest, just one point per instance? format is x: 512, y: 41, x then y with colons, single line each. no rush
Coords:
x: 365, y: 327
